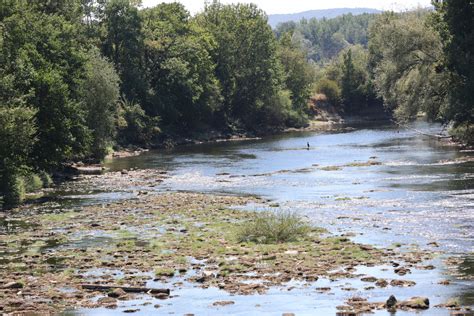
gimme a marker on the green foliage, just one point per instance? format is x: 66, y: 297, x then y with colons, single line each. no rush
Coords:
x: 299, y: 74
x: 353, y: 82
x: 46, y: 179
x: 464, y: 132
x: 268, y: 227
x: 453, y: 20
x: 100, y: 95
x: 326, y: 38
x: 135, y: 127
x: 404, y: 56
x: 279, y: 112
x: 124, y: 46
x: 40, y: 65
x: 354, y: 88
x: 330, y: 89
x: 13, y: 187
x: 184, y: 90
x: 32, y: 182
x: 17, y: 137
x: 221, y: 69
x: 246, y: 57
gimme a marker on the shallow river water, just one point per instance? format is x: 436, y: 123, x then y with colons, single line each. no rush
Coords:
x: 380, y: 185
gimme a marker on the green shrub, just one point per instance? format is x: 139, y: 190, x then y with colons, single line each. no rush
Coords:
x: 330, y: 89
x: 14, y: 191
x: 46, y: 179
x: 33, y: 182
x: 135, y: 126
x: 464, y: 133
x: 268, y: 227
x: 297, y: 119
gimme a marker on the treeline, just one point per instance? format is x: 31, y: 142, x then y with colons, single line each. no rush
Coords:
x: 417, y: 62
x: 80, y: 76
x: 423, y: 62
x: 324, y: 39
x: 338, y: 50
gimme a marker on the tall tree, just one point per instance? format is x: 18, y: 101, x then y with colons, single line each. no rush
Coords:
x: 17, y: 137
x: 42, y: 62
x: 124, y: 46
x: 299, y: 74
x: 456, y: 26
x: 405, y: 58
x: 247, y: 63
x: 100, y: 95
x: 183, y: 88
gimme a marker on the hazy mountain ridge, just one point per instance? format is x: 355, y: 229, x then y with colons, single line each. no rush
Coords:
x: 274, y: 19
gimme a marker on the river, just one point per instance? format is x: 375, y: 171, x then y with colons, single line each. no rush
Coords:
x: 379, y: 185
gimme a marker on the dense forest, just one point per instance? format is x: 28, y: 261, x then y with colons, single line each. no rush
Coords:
x: 78, y: 77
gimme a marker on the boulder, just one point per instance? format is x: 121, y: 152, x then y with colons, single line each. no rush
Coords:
x: 117, y: 293
x: 402, y: 271
x: 415, y: 303
x: 391, y: 302
x: 402, y: 283
x: 381, y: 283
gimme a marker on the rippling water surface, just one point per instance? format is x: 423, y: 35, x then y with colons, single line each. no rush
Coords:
x: 381, y: 184
x: 415, y: 188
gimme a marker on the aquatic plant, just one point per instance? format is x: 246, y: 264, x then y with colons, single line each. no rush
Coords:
x: 269, y: 227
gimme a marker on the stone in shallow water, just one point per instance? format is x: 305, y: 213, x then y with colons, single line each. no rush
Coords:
x: 117, y: 293
x: 402, y: 271
x: 391, y: 302
x: 381, y: 283
x: 131, y: 310
x: 415, y: 303
x: 369, y: 279
x: 108, y: 302
x: 223, y: 303
x: 402, y: 283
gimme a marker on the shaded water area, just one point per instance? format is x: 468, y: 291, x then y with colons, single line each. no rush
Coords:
x: 383, y: 186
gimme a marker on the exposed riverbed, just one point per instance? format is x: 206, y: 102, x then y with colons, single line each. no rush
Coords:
x: 406, y: 194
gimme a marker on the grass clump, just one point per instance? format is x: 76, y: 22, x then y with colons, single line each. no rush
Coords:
x: 59, y: 217
x: 273, y: 228
x: 164, y: 272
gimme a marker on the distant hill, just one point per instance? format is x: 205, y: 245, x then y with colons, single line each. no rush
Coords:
x: 274, y: 19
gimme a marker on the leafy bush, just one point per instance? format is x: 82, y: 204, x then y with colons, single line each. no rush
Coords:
x: 32, y: 182
x: 46, y: 179
x: 100, y: 95
x: 464, y: 133
x: 17, y: 136
x: 135, y: 126
x: 268, y: 227
x: 15, y: 190
x: 330, y: 89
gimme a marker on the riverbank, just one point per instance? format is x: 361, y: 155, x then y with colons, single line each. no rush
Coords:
x: 172, y: 241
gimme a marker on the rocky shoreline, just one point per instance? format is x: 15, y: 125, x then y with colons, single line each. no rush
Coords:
x: 177, y: 240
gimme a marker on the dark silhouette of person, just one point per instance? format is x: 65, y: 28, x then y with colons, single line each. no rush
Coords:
x: 307, y: 144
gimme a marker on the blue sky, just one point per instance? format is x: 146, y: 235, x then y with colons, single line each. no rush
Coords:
x: 293, y: 6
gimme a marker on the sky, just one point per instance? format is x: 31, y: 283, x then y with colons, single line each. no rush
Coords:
x: 294, y: 6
